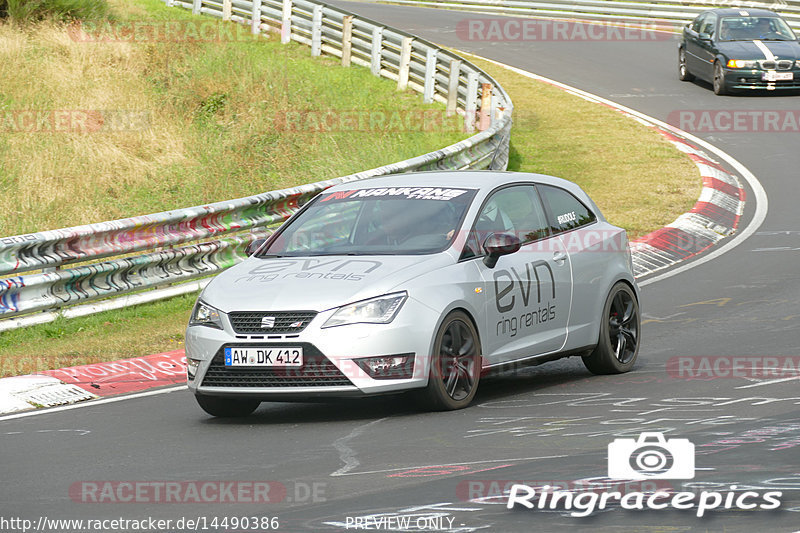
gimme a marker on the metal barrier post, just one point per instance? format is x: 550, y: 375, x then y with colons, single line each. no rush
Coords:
x: 430, y: 76
x: 471, y: 104
x: 377, y: 51
x: 452, y: 86
x: 485, y: 113
x: 256, y: 13
x: 286, y: 22
x: 316, y: 31
x: 405, y: 64
x: 347, y: 36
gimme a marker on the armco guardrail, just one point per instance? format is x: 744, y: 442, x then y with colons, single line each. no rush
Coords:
x: 669, y: 13
x: 85, y: 263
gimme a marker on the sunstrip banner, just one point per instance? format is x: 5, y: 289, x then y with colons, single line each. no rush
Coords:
x: 411, y: 193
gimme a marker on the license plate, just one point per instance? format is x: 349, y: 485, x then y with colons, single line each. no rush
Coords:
x: 273, y: 356
x: 771, y: 75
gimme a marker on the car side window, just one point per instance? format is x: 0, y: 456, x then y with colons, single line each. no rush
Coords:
x: 709, y: 24
x: 566, y: 211
x: 516, y: 210
x: 697, y: 23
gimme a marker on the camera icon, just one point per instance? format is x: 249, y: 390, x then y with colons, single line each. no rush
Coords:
x: 651, y: 457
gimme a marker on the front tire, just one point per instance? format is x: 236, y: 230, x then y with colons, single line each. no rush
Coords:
x: 683, y: 72
x: 455, y: 367
x: 618, y: 345
x: 719, y: 80
x: 227, y: 407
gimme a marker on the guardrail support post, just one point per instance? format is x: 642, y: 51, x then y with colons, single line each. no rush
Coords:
x: 377, y: 50
x: 256, y: 21
x: 226, y: 9
x: 196, y: 6
x: 430, y: 76
x: 485, y: 117
x: 452, y: 87
x: 405, y: 63
x: 471, y: 104
x: 316, y: 31
x: 347, y: 36
x: 286, y: 22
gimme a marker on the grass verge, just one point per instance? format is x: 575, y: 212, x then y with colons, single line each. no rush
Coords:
x: 637, y: 178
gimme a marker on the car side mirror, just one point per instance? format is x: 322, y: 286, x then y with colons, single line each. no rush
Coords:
x: 704, y: 36
x: 253, y: 246
x: 497, y: 245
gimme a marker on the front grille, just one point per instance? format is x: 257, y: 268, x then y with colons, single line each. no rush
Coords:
x: 284, y: 321
x: 317, y: 371
x: 770, y: 64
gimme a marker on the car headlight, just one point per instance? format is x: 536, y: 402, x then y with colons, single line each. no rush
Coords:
x: 205, y: 315
x: 742, y: 63
x: 797, y: 64
x: 380, y: 310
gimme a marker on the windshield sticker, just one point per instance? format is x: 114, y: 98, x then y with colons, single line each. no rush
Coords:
x: 411, y: 193
x: 311, y: 268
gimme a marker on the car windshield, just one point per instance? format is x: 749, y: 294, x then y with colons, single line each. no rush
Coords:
x: 397, y: 220
x: 755, y: 29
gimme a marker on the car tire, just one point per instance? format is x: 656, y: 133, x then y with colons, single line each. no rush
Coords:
x: 455, y: 367
x: 719, y: 80
x: 227, y: 407
x: 683, y: 72
x: 614, y: 353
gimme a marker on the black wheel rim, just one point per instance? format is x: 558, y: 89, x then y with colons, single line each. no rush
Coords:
x: 457, y: 359
x: 623, y: 327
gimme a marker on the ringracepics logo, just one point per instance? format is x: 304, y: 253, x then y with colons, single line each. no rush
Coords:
x: 650, y: 457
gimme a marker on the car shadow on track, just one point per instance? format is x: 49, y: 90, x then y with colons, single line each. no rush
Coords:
x: 499, y: 385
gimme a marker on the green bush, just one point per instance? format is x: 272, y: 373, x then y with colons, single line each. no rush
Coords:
x: 59, y: 10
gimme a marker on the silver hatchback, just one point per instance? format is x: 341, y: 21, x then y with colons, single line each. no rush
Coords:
x: 420, y: 282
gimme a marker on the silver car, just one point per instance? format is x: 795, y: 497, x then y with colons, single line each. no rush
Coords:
x: 420, y: 282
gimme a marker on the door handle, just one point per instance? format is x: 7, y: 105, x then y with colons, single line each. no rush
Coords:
x: 559, y: 257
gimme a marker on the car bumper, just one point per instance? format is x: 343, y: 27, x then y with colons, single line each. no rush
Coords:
x: 329, y: 368
x: 741, y: 79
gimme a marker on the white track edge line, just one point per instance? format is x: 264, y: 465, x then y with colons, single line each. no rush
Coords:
x: 88, y: 403
x: 762, y: 204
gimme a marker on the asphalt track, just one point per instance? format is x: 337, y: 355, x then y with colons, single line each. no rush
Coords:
x: 552, y: 423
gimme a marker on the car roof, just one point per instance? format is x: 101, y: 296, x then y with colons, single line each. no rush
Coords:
x: 755, y: 12
x: 485, y: 180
